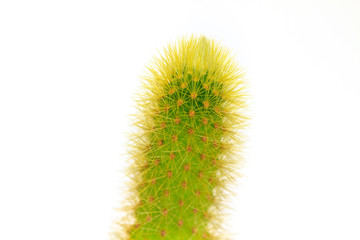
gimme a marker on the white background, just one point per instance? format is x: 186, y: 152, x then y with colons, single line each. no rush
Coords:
x: 68, y: 74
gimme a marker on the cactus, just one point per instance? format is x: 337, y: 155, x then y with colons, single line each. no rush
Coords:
x: 184, y: 156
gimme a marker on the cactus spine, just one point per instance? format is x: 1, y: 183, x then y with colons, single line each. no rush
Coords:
x: 184, y: 154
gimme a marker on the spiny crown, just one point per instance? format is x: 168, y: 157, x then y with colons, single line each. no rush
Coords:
x: 183, y: 154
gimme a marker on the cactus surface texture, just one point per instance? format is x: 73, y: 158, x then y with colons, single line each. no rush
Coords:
x: 185, y: 153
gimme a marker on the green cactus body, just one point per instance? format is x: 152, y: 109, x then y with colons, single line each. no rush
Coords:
x: 183, y: 156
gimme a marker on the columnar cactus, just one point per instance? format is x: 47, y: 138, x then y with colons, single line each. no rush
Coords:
x: 183, y: 154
